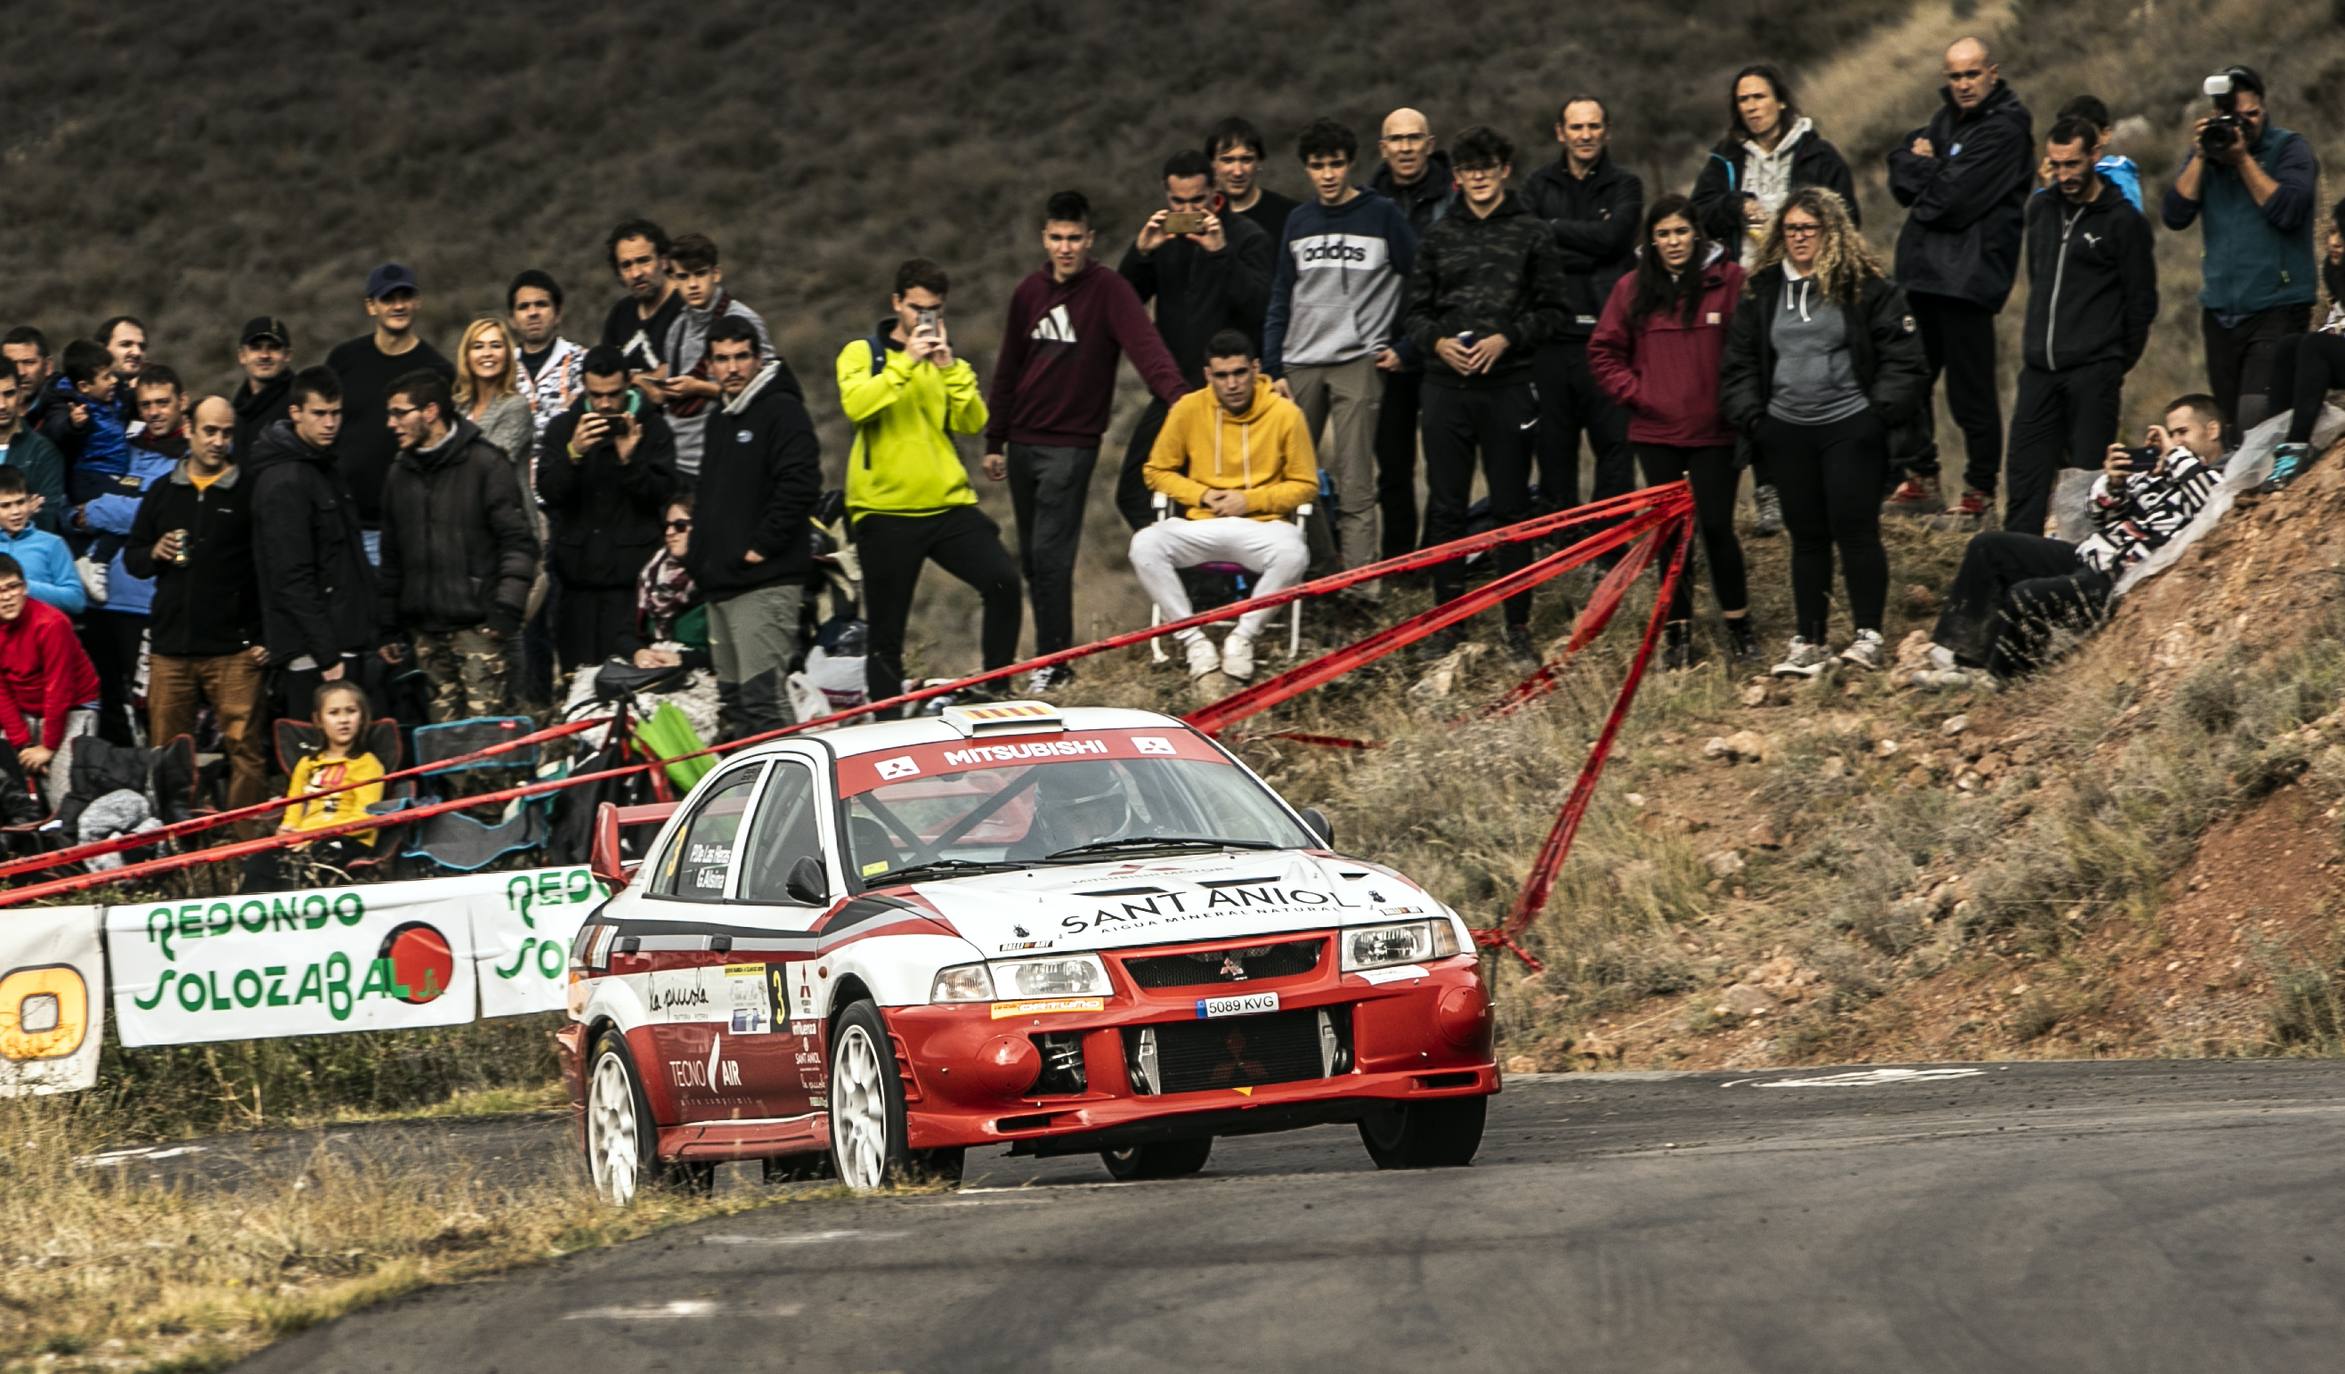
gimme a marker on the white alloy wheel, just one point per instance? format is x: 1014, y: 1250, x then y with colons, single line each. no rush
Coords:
x: 614, y: 1129
x: 859, y: 1109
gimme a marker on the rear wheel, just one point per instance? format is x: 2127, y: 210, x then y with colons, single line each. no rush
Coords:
x: 622, y: 1139
x: 1442, y: 1133
x: 1161, y: 1159
x: 867, y: 1111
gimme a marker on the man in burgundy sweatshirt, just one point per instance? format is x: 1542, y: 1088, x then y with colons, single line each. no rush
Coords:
x: 48, y: 690
x: 1050, y: 399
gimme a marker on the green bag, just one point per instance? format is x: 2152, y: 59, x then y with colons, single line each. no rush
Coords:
x: 668, y: 735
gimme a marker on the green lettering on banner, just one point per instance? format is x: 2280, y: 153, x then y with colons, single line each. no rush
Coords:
x: 218, y: 917
x: 276, y: 973
x: 159, y: 930
x: 284, y: 914
x: 254, y: 917
x: 553, y: 959
x: 313, y: 986
x: 162, y: 986
x: 191, y: 922
x: 381, y: 981
x: 247, y: 987
x: 187, y: 985
x: 349, y: 908
x: 313, y: 910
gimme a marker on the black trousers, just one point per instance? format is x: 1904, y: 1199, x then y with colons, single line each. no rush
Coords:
x: 2240, y: 359
x: 1396, y: 461
x: 2012, y: 592
x: 1492, y: 422
x: 1959, y: 339
x: 2059, y: 419
x: 113, y: 639
x: 2305, y: 369
x: 589, y: 622
x: 1829, y: 477
x: 1712, y: 474
x: 1132, y: 498
x: 1049, y: 487
x: 1572, y: 405
x: 963, y: 542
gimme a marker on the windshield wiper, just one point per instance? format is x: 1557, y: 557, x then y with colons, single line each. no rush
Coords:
x: 913, y: 872
x: 1158, y: 842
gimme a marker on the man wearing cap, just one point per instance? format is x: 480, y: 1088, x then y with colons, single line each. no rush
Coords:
x: 265, y: 351
x: 366, y: 366
x: 549, y: 363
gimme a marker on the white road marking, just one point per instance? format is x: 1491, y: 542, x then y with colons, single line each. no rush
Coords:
x: 1871, y: 1078
x: 679, y: 1309
x: 804, y: 1238
x: 136, y: 1154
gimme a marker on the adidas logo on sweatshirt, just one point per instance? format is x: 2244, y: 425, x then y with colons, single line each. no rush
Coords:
x: 1054, y: 327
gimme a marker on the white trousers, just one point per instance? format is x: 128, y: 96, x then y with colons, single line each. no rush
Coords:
x: 1273, y: 550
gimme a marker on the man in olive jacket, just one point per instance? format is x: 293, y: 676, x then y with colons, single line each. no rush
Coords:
x: 458, y: 551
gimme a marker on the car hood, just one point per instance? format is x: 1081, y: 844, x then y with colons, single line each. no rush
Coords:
x: 1154, y: 901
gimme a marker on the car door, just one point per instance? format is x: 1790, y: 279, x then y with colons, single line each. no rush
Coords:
x: 690, y: 984
x: 782, y: 1064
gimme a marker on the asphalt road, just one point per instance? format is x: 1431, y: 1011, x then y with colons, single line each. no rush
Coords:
x: 2135, y: 1217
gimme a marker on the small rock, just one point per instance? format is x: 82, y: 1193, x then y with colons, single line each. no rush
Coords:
x: 1724, y: 863
x: 1634, y: 798
x: 1765, y: 835
x: 1918, y: 776
x: 1955, y: 725
x: 1884, y: 748
x: 1833, y: 766
x: 1755, y: 694
x: 1744, y: 999
x: 1990, y: 764
x: 1743, y: 746
x: 1595, y: 1047
x: 1717, y: 748
x: 1522, y: 1063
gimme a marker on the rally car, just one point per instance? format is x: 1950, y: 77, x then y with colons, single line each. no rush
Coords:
x: 1059, y: 931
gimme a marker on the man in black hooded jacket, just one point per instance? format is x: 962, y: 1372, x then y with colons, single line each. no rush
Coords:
x: 317, y: 589
x: 605, y: 472
x: 459, y: 554
x: 1415, y: 175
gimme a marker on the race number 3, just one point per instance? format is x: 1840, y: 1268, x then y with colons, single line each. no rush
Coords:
x: 44, y: 1012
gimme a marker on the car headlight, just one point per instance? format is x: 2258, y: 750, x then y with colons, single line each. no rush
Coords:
x: 962, y: 983
x: 1405, y: 942
x: 1066, y: 975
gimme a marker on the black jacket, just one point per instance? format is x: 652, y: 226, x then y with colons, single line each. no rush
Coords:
x: 760, y: 476
x: 317, y: 590
x: 1964, y: 206
x: 1887, y: 354
x: 211, y: 604
x: 606, y: 515
x: 257, y: 410
x: 1718, y: 190
x: 1501, y: 275
x: 2092, y: 281
x: 458, y: 550
x: 1198, y: 294
x: 1424, y: 200
x: 1595, y: 223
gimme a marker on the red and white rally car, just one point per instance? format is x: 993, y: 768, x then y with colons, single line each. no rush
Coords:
x: 1059, y: 931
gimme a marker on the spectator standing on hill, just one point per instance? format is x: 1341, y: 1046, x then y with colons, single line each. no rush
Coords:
x: 1334, y: 331
x: 48, y: 690
x: 46, y: 562
x: 1415, y: 176
x: 549, y: 363
x: 909, y: 502
x: 1656, y: 352
x: 1963, y: 179
x: 2307, y: 367
x: 32, y: 456
x: 751, y: 548
x: 2015, y: 589
x: 2120, y: 171
x: 1236, y: 150
x: 458, y: 553
x: 2091, y: 297
x: 1822, y: 361
x: 265, y: 351
x: 317, y: 584
x: 1592, y: 207
x: 27, y: 351
x: 366, y: 366
x: 125, y: 337
x: 1232, y: 511
x: 114, y: 628
x: 1488, y: 288
x: 193, y: 538
x: 160, y: 403
x: 638, y: 322
x: 605, y: 476
x: 688, y: 390
x: 1068, y: 323
x: 2253, y: 182
x: 488, y: 393
x: 1203, y: 281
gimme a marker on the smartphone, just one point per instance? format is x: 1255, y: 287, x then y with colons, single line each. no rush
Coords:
x: 927, y: 320
x: 1184, y: 222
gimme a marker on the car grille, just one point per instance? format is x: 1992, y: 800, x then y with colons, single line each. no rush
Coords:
x: 1223, y: 966
x: 1239, y: 1051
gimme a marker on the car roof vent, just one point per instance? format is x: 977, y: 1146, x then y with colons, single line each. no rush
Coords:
x: 1005, y: 718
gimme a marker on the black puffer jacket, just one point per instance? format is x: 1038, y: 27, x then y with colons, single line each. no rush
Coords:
x: 759, y: 479
x: 317, y: 591
x: 257, y: 410
x: 458, y: 550
x: 606, y: 515
x: 1595, y: 223
x: 1887, y: 354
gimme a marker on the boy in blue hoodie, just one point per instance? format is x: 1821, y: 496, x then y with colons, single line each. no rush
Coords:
x: 96, y: 443
x: 48, y: 567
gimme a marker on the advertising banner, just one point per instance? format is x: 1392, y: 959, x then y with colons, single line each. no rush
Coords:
x: 522, y: 925
x: 52, y: 1000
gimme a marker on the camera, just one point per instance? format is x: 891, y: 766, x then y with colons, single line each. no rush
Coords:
x: 2142, y: 459
x: 2225, y: 127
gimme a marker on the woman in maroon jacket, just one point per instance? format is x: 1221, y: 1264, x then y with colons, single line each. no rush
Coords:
x: 1655, y: 352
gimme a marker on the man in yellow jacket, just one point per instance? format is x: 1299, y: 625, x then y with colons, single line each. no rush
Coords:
x: 1236, y: 457
x: 908, y: 496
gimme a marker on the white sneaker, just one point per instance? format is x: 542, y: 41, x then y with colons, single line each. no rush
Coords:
x: 1866, y: 650
x: 1050, y: 679
x: 1942, y: 659
x: 1204, y: 659
x: 1802, y: 659
x: 1957, y: 680
x: 1237, y: 656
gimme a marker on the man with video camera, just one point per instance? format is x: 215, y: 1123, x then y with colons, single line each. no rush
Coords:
x: 2253, y: 182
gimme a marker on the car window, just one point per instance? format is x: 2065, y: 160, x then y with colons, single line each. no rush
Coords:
x: 784, y: 832
x: 700, y: 860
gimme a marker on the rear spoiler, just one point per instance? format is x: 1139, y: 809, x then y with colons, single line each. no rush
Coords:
x: 608, y: 860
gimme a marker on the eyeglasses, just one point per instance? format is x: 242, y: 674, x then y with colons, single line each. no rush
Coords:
x: 1802, y: 231
x: 679, y: 527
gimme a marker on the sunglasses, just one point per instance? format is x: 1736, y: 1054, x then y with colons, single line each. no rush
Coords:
x: 680, y: 526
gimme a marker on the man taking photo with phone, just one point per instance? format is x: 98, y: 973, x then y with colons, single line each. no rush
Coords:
x: 605, y: 471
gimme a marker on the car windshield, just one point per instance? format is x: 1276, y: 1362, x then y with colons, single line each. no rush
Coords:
x: 1006, y: 808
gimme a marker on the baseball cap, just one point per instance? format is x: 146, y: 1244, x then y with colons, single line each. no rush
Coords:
x: 388, y: 278
x: 266, y: 327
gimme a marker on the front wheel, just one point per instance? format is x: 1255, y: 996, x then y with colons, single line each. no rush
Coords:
x: 622, y: 1140
x: 1442, y: 1133
x: 867, y: 1111
x: 1164, y: 1159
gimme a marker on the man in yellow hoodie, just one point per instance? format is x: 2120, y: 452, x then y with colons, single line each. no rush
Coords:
x: 908, y: 497
x: 1236, y: 457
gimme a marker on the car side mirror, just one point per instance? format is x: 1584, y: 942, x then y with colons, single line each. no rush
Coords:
x: 1320, y: 826
x: 807, y: 883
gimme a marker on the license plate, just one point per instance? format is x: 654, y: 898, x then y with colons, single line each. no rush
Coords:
x: 1249, y: 1004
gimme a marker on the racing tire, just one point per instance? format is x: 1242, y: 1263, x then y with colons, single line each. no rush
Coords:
x: 1442, y: 1133
x: 867, y: 1111
x: 1161, y: 1159
x: 622, y: 1138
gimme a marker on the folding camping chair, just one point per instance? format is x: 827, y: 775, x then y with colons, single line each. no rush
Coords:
x: 456, y: 840
x: 296, y: 739
x: 1166, y: 510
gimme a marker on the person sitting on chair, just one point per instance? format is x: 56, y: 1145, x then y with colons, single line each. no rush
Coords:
x: 342, y: 716
x: 1237, y: 456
